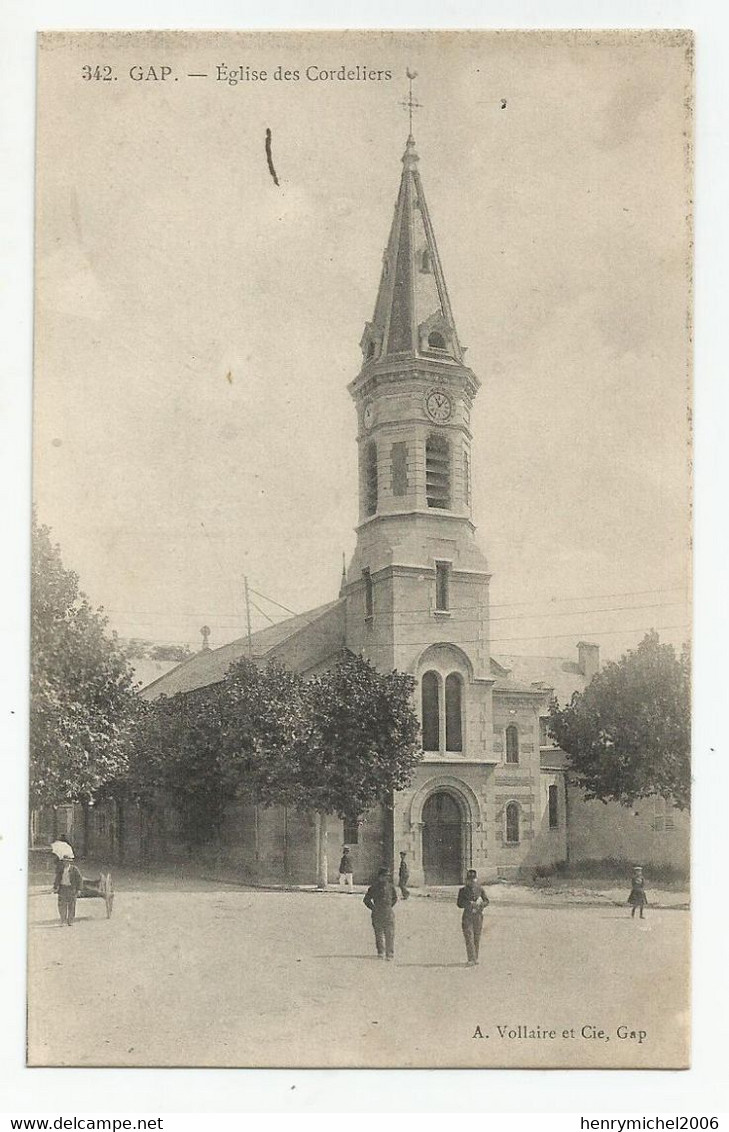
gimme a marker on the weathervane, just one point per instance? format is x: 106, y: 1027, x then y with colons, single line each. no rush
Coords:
x: 410, y: 104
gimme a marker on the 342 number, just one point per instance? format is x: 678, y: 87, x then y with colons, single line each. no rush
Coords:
x: 101, y: 74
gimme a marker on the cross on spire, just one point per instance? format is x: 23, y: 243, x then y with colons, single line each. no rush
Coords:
x: 411, y: 104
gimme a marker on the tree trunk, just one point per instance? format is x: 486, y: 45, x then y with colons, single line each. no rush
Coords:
x: 390, y: 832
x: 322, y: 863
x: 85, y: 827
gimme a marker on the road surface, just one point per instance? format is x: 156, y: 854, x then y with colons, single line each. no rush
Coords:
x: 199, y: 973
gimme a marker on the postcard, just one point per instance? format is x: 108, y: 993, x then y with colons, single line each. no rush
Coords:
x: 360, y: 689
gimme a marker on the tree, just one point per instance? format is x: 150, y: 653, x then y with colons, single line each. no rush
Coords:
x: 81, y: 700
x: 363, y: 741
x: 337, y: 744
x: 628, y: 735
x: 362, y: 746
x: 236, y: 739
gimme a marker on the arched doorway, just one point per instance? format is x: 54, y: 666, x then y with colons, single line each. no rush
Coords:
x: 443, y: 830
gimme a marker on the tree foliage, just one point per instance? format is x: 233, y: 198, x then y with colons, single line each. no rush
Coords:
x: 338, y: 743
x: 363, y: 740
x: 81, y: 699
x: 628, y: 735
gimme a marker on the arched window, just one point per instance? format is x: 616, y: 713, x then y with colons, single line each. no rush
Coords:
x: 371, y: 478
x: 453, y: 708
x: 512, y: 822
x: 512, y: 744
x: 425, y: 261
x: 438, y: 471
x: 431, y: 712
x: 436, y: 341
x: 371, y: 350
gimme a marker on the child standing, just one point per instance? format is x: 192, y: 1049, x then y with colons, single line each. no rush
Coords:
x: 637, y: 896
x: 67, y: 884
x: 403, y: 877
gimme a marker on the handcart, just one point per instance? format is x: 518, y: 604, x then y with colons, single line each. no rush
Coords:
x: 100, y: 889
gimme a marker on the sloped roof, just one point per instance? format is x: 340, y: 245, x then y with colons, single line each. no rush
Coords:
x: 210, y: 665
x: 553, y: 759
x: 506, y: 684
x: 146, y: 670
x: 564, y: 676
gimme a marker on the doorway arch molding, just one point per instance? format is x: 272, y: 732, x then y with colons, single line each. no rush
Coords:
x: 459, y: 790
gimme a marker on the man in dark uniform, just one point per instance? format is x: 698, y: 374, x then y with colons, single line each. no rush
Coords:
x: 472, y: 899
x: 403, y: 877
x: 381, y: 898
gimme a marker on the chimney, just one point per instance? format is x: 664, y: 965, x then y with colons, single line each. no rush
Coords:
x: 205, y: 634
x: 588, y: 659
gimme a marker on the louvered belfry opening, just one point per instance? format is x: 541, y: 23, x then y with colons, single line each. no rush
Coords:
x: 438, y: 471
x: 371, y: 478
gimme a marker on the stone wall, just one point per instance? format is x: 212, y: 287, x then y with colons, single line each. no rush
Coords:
x: 650, y: 833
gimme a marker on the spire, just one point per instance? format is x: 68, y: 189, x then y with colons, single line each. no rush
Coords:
x: 413, y: 313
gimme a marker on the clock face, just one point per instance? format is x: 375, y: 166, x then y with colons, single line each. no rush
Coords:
x: 438, y: 405
x: 369, y: 416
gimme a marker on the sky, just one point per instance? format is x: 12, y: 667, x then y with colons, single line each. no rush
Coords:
x: 197, y: 325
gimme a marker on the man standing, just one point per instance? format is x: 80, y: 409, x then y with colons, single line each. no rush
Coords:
x: 403, y: 877
x: 472, y: 899
x: 381, y: 899
x: 68, y: 885
x: 346, y: 872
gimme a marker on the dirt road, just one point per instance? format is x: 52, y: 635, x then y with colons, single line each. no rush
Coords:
x: 203, y: 974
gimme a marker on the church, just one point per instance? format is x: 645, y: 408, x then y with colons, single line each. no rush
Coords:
x: 491, y: 791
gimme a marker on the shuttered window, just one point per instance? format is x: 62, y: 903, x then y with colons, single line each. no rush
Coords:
x: 399, y: 467
x: 438, y: 472
x: 371, y: 478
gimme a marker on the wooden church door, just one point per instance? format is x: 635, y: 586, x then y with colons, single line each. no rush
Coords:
x: 442, y: 840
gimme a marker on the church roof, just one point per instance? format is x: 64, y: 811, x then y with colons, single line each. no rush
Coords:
x: 551, y: 672
x: 209, y: 666
x: 412, y: 301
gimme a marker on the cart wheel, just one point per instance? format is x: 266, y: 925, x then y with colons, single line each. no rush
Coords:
x: 108, y: 889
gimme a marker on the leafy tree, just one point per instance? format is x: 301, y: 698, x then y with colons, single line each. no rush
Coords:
x: 628, y: 735
x: 363, y: 740
x: 236, y: 739
x: 81, y: 699
x: 336, y: 744
x: 362, y: 746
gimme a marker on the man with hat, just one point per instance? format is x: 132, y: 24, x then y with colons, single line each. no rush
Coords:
x: 381, y: 899
x: 346, y: 872
x: 472, y: 899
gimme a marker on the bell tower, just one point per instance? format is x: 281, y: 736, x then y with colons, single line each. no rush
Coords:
x: 417, y: 575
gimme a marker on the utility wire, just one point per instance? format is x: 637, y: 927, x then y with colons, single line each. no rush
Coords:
x: 476, y: 612
x: 493, y: 605
x: 269, y: 619
x: 503, y: 640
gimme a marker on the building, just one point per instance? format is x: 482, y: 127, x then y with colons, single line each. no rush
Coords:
x: 490, y: 792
